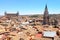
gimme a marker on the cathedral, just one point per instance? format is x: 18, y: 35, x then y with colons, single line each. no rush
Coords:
x: 47, y: 19
x: 46, y: 16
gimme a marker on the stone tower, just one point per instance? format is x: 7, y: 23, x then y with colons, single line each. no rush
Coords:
x: 46, y: 16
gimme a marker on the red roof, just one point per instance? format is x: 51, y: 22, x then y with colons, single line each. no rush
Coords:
x: 38, y: 35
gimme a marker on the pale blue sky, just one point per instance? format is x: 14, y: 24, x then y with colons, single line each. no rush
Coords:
x: 29, y: 6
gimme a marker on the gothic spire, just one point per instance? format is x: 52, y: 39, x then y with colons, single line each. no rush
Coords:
x: 46, y: 10
x: 46, y: 16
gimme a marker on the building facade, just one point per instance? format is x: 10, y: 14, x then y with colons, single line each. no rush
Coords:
x: 11, y: 15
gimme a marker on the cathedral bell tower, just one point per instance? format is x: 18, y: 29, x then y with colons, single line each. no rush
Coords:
x: 46, y: 16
